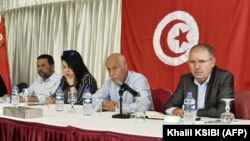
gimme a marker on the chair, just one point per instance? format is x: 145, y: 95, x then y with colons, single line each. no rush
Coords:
x: 242, y: 104
x: 21, y: 86
x: 160, y: 96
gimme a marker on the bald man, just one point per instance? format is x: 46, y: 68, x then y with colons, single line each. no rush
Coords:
x: 208, y: 83
x: 119, y: 74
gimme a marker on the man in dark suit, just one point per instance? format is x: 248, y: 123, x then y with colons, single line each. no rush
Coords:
x: 3, y: 89
x: 208, y: 83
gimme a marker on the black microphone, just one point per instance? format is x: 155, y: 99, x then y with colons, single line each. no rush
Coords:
x: 126, y: 87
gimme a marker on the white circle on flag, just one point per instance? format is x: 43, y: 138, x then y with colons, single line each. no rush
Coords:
x: 185, y: 24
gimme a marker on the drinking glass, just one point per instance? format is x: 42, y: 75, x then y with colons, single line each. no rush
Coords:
x: 15, y: 99
x: 25, y: 94
x: 97, y: 107
x: 140, y: 111
x: 227, y: 117
x: 72, y: 98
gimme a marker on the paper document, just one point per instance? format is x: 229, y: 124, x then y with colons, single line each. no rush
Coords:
x: 154, y: 115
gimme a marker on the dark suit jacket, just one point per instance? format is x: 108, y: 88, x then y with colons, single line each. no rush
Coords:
x: 3, y: 89
x: 220, y: 85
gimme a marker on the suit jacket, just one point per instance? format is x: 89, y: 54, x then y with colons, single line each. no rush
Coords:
x: 220, y: 85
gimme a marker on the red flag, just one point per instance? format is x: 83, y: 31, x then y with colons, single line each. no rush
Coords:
x: 158, y: 34
x: 4, y: 71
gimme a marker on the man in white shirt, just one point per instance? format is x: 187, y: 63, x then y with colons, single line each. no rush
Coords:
x: 119, y: 74
x: 47, y: 82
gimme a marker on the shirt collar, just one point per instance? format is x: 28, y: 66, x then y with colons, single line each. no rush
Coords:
x: 50, y: 78
x: 205, y: 83
x: 127, y: 79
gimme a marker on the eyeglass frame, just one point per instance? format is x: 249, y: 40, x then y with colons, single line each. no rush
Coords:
x: 199, y: 62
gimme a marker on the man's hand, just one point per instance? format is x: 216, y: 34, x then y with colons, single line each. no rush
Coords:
x: 33, y: 99
x: 21, y: 99
x: 50, y: 100
x: 178, y: 112
x: 109, y: 105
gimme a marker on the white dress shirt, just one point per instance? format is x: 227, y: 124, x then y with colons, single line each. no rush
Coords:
x: 44, y: 88
x: 201, y: 96
x: 201, y: 93
x: 109, y: 91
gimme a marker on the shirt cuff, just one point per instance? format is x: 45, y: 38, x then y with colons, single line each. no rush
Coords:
x: 41, y: 99
x: 169, y: 111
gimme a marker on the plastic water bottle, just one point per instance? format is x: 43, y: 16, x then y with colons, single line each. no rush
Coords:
x: 15, y: 95
x: 87, y: 103
x: 190, y: 109
x: 59, y: 99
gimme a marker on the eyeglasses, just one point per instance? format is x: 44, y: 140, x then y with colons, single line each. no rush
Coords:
x: 199, y: 62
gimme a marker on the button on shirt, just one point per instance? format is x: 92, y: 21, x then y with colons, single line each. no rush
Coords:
x: 109, y: 91
x: 201, y: 96
x: 44, y: 88
x: 201, y: 93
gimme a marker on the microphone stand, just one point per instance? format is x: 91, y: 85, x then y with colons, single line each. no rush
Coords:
x: 120, y: 115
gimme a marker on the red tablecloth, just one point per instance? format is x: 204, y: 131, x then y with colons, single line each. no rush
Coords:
x: 13, y: 130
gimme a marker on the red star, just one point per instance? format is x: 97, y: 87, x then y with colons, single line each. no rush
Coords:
x: 182, y: 37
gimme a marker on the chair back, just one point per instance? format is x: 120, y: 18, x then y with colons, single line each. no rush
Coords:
x: 21, y: 86
x: 160, y: 96
x: 242, y: 104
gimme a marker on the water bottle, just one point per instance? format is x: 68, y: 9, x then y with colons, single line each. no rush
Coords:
x: 15, y: 95
x: 87, y: 103
x: 59, y: 99
x: 189, y: 109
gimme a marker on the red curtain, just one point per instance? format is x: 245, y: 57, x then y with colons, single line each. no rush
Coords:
x: 4, y: 69
x: 157, y: 35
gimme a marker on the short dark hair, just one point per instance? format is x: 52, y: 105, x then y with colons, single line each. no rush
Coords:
x: 48, y: 57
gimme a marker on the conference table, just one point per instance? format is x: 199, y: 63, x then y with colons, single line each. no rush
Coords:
x: 66, y: 126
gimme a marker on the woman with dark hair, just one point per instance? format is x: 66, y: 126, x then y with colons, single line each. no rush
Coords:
x: 76, y: 76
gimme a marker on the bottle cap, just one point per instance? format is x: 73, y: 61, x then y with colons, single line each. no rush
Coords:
x: 60, y: 87
x: 189, y: 94
x: 87, y: 90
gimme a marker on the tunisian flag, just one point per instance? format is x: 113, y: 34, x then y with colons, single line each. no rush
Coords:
x: 158, y: 34
x: 4, y: 70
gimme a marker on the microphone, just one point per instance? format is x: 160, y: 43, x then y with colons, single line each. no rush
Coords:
x: 126, y: 87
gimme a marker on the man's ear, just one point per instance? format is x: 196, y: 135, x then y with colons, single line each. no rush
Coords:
x: 53, y: 66
x: 213, y: 61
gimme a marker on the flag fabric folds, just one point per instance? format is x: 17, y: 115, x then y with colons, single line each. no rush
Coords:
x: 158, y: 34
x: 4, y: 69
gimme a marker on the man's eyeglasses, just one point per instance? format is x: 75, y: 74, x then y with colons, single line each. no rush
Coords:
x: 199, y: 62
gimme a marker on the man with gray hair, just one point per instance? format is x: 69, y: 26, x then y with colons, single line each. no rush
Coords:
x: 119, y: 74
x: 208, y: 83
